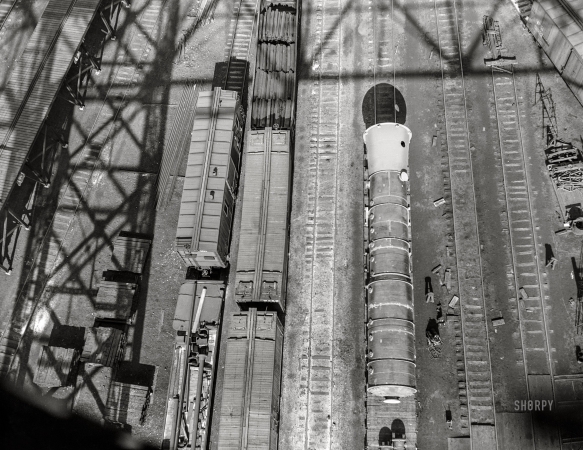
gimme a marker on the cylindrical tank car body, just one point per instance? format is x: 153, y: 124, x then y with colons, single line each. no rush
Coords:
x: 391, y: 331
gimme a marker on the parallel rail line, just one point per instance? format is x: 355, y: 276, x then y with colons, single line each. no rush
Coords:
x: 382, y: 55
x: 238, y: 45
x: 383, y: 61
x: 314, y: 422
x: 521, y: 232
x: 473, y: 315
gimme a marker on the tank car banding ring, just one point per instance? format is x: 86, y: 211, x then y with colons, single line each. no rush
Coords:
x: 391, y: 331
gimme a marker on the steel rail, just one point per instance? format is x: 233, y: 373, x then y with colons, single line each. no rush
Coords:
x: 320, y: 226
x: 512, y: 231
x: 232, y: 45
x: 454, y: 28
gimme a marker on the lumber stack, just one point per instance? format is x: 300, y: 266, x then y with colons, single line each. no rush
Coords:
x: 102, y: 346
x: 114, y: 300
x: 127, y: 403
x: 275, y: 79
x: 56, y: 366
x: 92, y: 389
x: 130, y: 253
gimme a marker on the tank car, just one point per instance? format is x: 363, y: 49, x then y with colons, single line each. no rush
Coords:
x: 203, y: 234
x: 390, y: 328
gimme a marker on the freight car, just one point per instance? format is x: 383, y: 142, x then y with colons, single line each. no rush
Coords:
x: 557, y: 25
x: 274, y: 89
x: 390, y: 328
x: 263, y: 243
x: 190, y: 391
x: 208, y: 198
x: 249, y: 412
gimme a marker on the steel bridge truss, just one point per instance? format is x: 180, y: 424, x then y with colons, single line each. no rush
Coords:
x: 109, y: 14
x: 77, y: 80
x: 84, y: 62
x: 39, y: 164
x: 38, y: 168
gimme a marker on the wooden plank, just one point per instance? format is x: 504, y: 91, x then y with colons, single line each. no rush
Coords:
x: 130, y: 254
x: 55, y: 366
x: 102, y: 346
x: 545, y: 434
x: 92, y: 389
x: 514, y: 431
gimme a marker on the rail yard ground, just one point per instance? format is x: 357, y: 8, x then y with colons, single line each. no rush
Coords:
x: 323, y: 383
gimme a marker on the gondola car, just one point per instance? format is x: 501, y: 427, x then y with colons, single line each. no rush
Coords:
x: 390, y: 328
x: 203, y: 234
x: 264, y: 236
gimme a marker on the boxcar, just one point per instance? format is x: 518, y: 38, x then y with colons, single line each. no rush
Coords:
x: 263, y: 245
x: 557, y: 25
x: 249, y: 411
x: 208, y: 197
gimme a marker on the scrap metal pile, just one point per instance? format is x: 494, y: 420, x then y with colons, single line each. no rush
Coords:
x: 564, y: 164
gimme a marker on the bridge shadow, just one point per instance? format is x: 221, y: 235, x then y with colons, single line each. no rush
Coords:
x: 383, y: 103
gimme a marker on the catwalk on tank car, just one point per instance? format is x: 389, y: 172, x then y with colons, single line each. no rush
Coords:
x: 390, y: 328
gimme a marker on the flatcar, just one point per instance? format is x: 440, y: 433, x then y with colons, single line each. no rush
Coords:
x: 203, y: 234
x: 557, y: 25
x: 249, y: 412
x: 390, y: 328
x: 190, y: 393
x: 264, y: 236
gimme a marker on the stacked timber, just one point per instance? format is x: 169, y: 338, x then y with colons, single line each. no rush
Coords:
x: 92, y: 390
x: 114, y: 300
x: 130, y: 253
x: 103, y: 346
x: 127, y: 403
x: 98, y: 397
x: 56, y: 366
x: 275, y: 79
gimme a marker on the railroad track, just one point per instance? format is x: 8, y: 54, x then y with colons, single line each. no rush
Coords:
x: 74, y: 191
x: 314, y: 422
x: 382, y: 36
x: 6, y: 7
x: 382, y: 54
x: 474, y: 331
x: 521, y: 231
x: 239, y: 44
